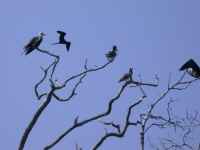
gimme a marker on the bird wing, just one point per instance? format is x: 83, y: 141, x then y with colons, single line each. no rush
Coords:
x: 190, y: 64
x: 62, y: 36
x: 108, y: 54
x: 124, y: 77
x: 33, y: 43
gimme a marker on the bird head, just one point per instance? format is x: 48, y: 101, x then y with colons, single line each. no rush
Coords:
x: 115, y: 48
x: 131, y: 71
x: 190, y: 70
x: 42, y: 34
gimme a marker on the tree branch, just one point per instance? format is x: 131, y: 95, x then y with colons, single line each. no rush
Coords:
x: 54, y: 64
x: 118, y: 134
x: 81, y: 123
x: 34, y: 120
x: 144, y: 118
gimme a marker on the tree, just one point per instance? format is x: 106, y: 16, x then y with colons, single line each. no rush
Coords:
x: 145, y: 121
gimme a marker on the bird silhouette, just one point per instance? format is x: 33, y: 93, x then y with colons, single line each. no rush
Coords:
x: 112, y: 54
x: 62, y: 40
x: 33, y: 43
x: 191, y: 68
x: 127, y: 76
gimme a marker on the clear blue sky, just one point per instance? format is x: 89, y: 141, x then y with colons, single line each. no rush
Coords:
x: 153, y: 36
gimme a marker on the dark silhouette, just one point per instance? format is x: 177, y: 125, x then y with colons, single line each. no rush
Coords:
x: 191, y: 68
x: 144, y: 120
x: 62, y: 40
x: 112, y: 54
x: 33, y: 43
x: 127, y: 76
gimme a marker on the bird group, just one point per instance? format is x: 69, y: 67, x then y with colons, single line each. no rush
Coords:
x: 35, y: 42
x: 190, y: 66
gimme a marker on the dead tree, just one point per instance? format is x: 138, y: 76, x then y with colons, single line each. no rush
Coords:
x: 144, y: 121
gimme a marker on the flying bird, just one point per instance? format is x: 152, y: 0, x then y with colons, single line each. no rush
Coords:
x: 34, y: 43
x: 191, y: 68
x: 62, y: 40
x: 112, y: 54
x: 127, y: 76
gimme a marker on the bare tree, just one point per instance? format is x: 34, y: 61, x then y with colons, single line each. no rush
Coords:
x: 144, y: 121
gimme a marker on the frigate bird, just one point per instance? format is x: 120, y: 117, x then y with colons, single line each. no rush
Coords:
x: 112, y: 54
x: 127, y: 76
x: 191, y: 68
x: 33, y: 43
x: 62, y: 40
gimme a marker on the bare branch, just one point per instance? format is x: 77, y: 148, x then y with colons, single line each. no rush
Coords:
x: 81, y: 123
x: 84, y: 72
x: 39, y: 96
x: 143, y: 84
x: 116, y: 126
x: 34, y: 120
x: 121, y: 133
x: 54, y: 64
x: 73, y: 93
x: 144, y: 118
x: 101, y: 115
x: 78, y: 148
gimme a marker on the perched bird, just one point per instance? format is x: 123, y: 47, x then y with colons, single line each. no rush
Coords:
x: 62, y: 40
x: 112, y: 54
x: 127, y: 76
x: 191, y: 68
x: 33, y: 43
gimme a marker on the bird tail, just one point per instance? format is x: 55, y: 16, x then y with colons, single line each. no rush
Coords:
x: 28, y: 51
x: 68, y: 44
x: 25, y: 51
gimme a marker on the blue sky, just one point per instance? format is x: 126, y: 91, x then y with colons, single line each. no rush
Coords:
x: 153, y: 36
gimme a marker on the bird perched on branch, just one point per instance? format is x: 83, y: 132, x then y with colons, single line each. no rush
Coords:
x: 127, y: 76
x: 62, y: 40
x: 34, y: 43
x: 191, y: 68
x: 112, y: 54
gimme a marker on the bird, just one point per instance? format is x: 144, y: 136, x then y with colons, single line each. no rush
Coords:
x: 191, y: 68
x: 34, y: 43
x: 62, y: 40
x: 127, y: 76
x: 112, y: 54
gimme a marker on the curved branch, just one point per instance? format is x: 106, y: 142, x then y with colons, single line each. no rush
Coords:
x: 123, y: 132
x: 79, y: 124
x: 34, y: 120
x: 101, y: 115
x: 73, y: 93
x: 84, y: 72
x: 39, y: 96
x: 54, y: 64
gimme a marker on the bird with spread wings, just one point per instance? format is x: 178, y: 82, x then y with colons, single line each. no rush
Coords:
x: 62, y: 40
x: 191, y: 68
